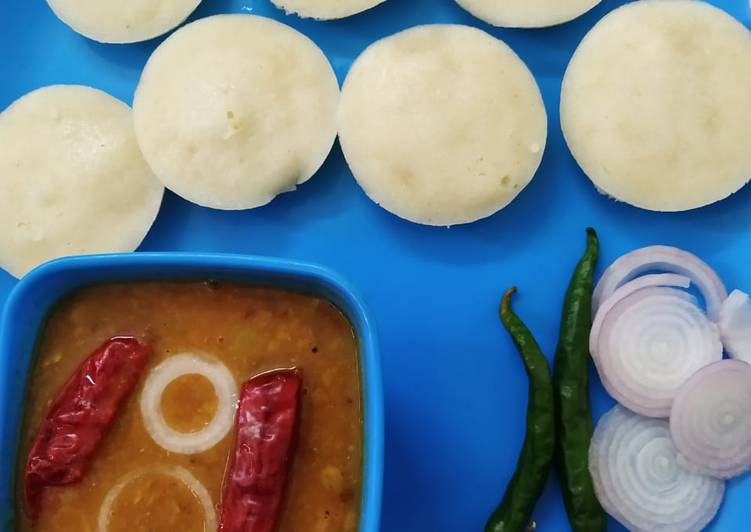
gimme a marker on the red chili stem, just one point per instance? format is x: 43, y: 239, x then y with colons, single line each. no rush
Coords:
x: 80, y: 417
x: 266, y: 427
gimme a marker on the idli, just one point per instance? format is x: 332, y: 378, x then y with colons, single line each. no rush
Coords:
x: 527, y: 13
x: 72, y: 179
x: 442, y: 124
x: 232, y: 110
x: 656, y: 104
x: 326, y: 9
x: 122, y: 21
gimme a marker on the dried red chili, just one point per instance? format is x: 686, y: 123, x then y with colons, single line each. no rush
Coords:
x: 266, y: 425
x: 80, y: 416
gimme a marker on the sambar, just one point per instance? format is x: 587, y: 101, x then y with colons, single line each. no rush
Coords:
x: 249, y: 330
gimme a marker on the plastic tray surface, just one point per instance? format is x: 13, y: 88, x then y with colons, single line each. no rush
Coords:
x: 455, y: 390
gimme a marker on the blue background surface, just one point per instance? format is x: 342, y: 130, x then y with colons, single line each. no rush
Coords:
x: 455, y: 389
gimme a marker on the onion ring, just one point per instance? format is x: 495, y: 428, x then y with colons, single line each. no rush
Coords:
x: 640, y: 481
x: 176, y: 472
x: 711, y: 419
x: 646, y: 281
x: 650, y: 343
x: 225, y: 388
x: 670, y: 260
x: 735, y: 325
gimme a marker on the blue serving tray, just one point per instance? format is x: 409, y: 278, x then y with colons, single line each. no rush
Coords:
x: 455, y: 388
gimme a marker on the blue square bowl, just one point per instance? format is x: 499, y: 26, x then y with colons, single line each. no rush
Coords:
x: 37, y: 293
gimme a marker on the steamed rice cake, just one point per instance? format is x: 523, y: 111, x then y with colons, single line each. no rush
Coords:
x: 72, y: 178
x: 233, y: 110
x: 442, y: 124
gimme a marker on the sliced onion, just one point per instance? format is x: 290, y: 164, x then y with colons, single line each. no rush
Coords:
x: 667, y: 259
x: 176, y: 472
x: 177, y: 366
x: 650, y: 343
x: 646, y: 281
x: 711, y: 419
x: 735, y: 325
x: 639, y: 479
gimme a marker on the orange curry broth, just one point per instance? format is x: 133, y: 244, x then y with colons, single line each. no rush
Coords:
x: 250, y: 330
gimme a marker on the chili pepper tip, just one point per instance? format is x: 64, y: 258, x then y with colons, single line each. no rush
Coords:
x: 505, y: 306
x: 506, y: 301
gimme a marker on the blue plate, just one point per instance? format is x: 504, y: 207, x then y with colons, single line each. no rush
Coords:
x: 455, y: 388
x: 32, y: 299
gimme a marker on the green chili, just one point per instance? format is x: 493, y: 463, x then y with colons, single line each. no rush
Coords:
x: 573, y: 413
x: 515, y: 511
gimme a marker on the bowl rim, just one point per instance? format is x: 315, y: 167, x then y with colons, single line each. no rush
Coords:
x: 69, y: 274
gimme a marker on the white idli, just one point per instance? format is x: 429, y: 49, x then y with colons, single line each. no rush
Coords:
x: 442, y: 124
x: 122, y: 21
x: 72, y: 179
x: 527, y: 13
x: 232, y: 110
x: 656, y: 104
x: 326, y: 9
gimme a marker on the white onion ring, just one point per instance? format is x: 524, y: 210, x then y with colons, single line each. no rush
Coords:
x: 646, y: 281
x: 735, y: 325
x: 174, y: 367
x: 176, y: 472
x: 650, y: 343
x: 639, y: 479
x: 668, y: 259
x: 711, y: 419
